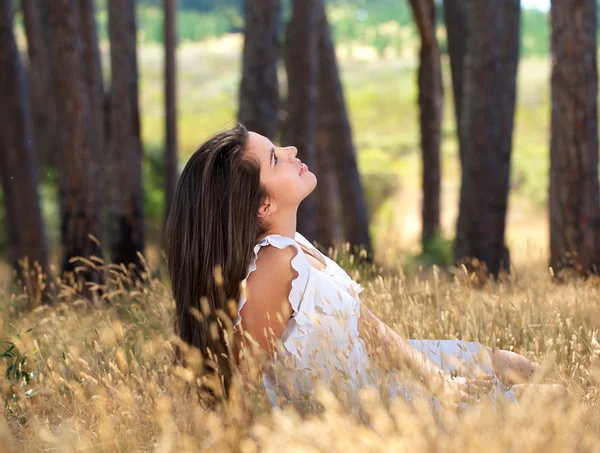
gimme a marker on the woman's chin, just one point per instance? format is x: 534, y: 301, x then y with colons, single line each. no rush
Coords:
x: 311, y: 188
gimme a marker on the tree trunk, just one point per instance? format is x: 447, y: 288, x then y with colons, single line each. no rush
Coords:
x: 574, y: 200
x: 126, y: 212
x: 92, y: 73
x: 457, y: 31
x: 18, y: 164
x: 43, y: 105
x: 456, y: 16
x: 259, y: 89
x: 301, y: 63
x: 171, y: 174
x: 79, y: 170
x: 509, y: 23
x: 327, y: 194
x: 334, y: 117
x: 487, y: 123
x: 431, y: 101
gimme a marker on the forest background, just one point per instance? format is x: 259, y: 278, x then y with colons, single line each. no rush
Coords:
x: 377, y: 45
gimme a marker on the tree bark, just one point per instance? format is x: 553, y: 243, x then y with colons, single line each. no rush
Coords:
x: 327, y: 193
x: 431, y: 101
x: 18, y: 164
x: 334, y: 117
x: 126, y: 213
x: 171, y: 174
x: 488, y: 114
x: 457, y: 30
x: 95, y: 85
x: 301, y: 61
x: 42, y: 99
x: 79, y: 170
x: 259, y: 89
x: 574, y: 192
x: 94, y: 82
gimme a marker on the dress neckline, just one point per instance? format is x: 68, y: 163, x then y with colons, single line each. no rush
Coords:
x: 306, y: 251
x: 324, y: 262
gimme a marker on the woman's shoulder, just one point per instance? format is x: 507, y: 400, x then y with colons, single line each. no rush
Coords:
x: 267, y: 290
x: 278, y: 273
x: 274, y: 264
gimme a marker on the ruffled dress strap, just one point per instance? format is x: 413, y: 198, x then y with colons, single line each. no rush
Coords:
x: 299, y: 264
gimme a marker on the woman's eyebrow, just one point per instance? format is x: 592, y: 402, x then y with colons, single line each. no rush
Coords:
x: 271, y: 158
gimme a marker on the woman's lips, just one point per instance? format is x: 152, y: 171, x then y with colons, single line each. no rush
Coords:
x: 303, y: 169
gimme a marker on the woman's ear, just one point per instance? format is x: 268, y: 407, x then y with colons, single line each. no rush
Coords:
x: 266, y: 208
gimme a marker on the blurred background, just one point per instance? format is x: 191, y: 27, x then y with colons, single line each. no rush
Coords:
x: 109, y: 98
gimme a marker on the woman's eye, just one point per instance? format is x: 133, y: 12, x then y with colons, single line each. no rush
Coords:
x: 275, y: 158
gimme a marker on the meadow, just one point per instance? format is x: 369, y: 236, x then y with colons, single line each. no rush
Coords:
x: 99, y: 376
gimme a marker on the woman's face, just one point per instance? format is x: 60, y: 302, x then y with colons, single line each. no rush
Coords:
x: 285, y: 177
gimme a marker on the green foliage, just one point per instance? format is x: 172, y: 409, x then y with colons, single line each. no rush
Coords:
x: 380, y: 177
x: 16, y: 362
x: 535, y: 33
x: 376, y: 23
x: 191, y: 25
x: 196, y: 5
x: 437, y: 251
x: 154, y: 182
x: 19, y: 375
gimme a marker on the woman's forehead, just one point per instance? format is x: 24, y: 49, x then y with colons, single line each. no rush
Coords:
x: 259, y: 146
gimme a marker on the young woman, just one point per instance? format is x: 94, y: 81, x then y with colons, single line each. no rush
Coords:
x: 231, y: 237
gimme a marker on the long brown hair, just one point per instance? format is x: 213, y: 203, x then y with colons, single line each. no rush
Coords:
x: 211, y: 231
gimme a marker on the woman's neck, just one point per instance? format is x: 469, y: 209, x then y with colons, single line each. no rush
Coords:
x: 282, y: 225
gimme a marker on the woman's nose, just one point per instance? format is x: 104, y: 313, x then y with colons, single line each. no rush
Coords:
x: 292, y: 150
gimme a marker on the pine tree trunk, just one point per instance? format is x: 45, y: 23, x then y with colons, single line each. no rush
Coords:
x: 259, y: 89
x: 431, y: 99
x: 171, y: 174
x: 509, y: 23
x: 92, y: 73
x: 18, y: 164
x: 487, y: 123
x: 574, y: 199
x: 79, y: 170
x: 456, y: 15
x: 301, y: 61
x: 125, y: 147
x: 43, y: 105
x: 327, y: 193
x: 457, y: 29
x: 334, y: 117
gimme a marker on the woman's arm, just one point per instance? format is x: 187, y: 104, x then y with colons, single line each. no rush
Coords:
x: 267, y: 309
x: 387, y: 345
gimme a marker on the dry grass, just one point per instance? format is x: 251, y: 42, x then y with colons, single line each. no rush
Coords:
x: 98, y: 376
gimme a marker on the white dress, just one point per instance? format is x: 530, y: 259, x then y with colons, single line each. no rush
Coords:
x: 321, y: 340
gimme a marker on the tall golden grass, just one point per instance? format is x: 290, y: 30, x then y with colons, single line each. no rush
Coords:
x: 99, y: 376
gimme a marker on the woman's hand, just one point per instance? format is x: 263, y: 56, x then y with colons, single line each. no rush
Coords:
x: 459, y: 389
x: 400, y: 355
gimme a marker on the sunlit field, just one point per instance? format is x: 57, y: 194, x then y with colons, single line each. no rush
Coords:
x: 99, y: 377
